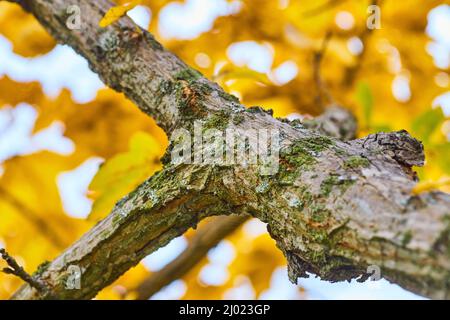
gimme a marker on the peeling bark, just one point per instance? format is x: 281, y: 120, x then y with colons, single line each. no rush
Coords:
x: 334, y: 208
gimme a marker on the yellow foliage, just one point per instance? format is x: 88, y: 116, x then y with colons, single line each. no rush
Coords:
x: 28, y: 37
x: 117, y: 12
x: 443, y: 183
x: 112, y: 128
x: 120, y: 290
x: 123, y: 172
x: 256, y: 258
x: 33, y: 224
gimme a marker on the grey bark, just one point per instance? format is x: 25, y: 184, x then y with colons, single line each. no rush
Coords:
x: 334, y: 208
x: 335, y: 121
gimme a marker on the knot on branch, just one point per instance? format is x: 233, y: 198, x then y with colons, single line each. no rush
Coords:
x: 119, y: 45
x: 335, y: 122
x: 399, y: 145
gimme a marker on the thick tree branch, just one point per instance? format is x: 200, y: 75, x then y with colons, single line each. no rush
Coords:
x: 333, y: 207
x: 335, y: 122
x: 127, y: 59
x: 159, y: 210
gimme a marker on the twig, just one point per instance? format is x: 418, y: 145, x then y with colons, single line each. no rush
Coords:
x: 352, y: 71
x: 14, y: 269
x: 204, y: 239
x: 317, y: 62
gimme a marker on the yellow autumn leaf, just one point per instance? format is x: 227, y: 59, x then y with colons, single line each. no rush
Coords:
x: 117, y: 12
x: 432, y: 185
x: 123, y: 172
x: 233, y: 72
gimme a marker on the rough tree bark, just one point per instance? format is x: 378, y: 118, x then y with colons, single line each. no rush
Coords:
x: 334, y: 208
x: 335, y: 121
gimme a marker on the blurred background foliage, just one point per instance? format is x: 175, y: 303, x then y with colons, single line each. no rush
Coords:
x: 295, y: 57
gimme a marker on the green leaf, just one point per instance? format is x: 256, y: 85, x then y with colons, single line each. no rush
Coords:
x: 443, y: 156
x: 426, y: 123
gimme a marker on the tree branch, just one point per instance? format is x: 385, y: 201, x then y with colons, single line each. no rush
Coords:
x: 159, y: 210
x: 15, y: 269
x: 351, y: 72
x: 127, y: 59
x: 322, y: 90
x: 334, y: 208
x: 204, y: 239
x: 335, y: 122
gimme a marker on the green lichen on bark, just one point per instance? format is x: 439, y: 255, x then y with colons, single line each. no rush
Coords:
x: 218, y: 120
x: 41, y: 268
x: 228, y: 97
x: 319, y: 213
x: 238, y: 119
x: 316, y: 143
x: 407, y: 236
x: 302, y: 152
x: 190, y: 97
x: 190, y: 75
x: 354, y: 162
x: 333, y: 180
